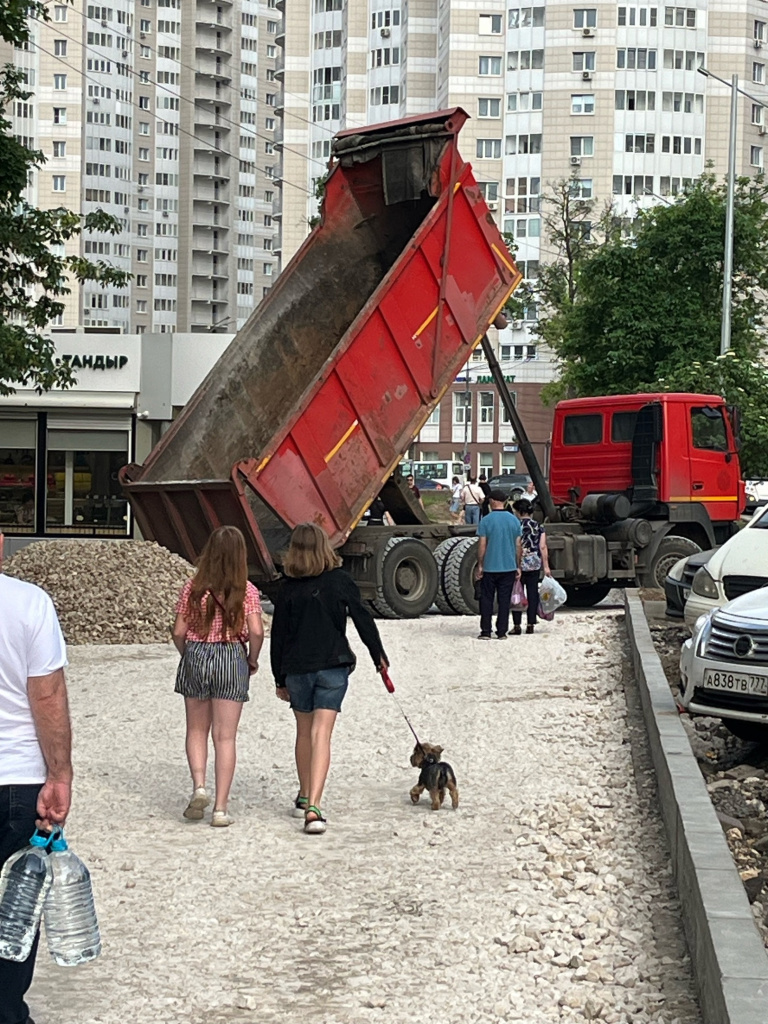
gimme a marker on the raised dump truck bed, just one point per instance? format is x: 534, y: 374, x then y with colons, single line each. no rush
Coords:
x: 309, y: 410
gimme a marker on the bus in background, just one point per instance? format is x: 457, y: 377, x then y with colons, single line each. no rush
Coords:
x: 432, y: 474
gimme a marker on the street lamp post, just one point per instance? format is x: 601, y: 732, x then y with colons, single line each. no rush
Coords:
x: 733, y: 85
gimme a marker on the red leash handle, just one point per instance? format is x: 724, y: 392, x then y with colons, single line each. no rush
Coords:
x: 387, y: 681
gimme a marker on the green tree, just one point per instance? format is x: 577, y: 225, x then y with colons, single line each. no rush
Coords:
x: 34, y: 274
x: 648, y: 301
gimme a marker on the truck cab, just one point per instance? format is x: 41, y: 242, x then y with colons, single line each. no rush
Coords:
x: 674, y: 456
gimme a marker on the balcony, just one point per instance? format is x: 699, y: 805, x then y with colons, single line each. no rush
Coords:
x: 213, y: 166
x: 210, y: 195
x: 210, y: 242
x: 210, y: 267
x: 206, y: 118
x: 210, y: 91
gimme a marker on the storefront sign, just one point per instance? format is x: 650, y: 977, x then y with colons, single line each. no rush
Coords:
x: 91, y: 362
x: 509, y: 378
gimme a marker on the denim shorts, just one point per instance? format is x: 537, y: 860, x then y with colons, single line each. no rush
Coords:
x: 315, y: 691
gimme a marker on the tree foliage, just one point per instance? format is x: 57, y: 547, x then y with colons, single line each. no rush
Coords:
x: 638, y: 305
x: 34, y: 271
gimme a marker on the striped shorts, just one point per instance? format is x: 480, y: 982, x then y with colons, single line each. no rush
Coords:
x: 217, y: 671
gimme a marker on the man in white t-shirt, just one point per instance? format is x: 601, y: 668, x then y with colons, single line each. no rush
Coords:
x: 35, y: 742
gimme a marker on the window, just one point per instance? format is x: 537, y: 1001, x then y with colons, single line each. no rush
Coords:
x: 523, y: 144
x: 59, y: 183
x: 489, y: 66
x: 143, y: 153
x: 526, y: 17
x: 519, y: 101
x: 141, y: 305
x: 682, y: 17
x: 636, y: 16
x: 708, y: 429
x: 522, y: 60
x: 60, y: 47
x: 756, y: 156
x: 585, y: 18
x: 60, y: 13
x: 490, y: 25
x: 522, y: 195
x: 584, y: 61
x: 582, y: 145
x: 627, y: 185
x: 488, y: 108
x: 758, y: 73
x: 488, y: 149
x: 59, y: 149
x: 486, y: 406
x: 636, y: 58
x: 584, y: 429
x: 639, y: 143
x: 462, y: 407
x: 581, y: 188
x: 757, y: 113
x: 489, y: 190
x: 635, y: 99
x: 59, y: 115
x: 759, y: 31
x: 683, y: 102
x: 623, y: 427
x: 683, y: 60
x: 583, y: 104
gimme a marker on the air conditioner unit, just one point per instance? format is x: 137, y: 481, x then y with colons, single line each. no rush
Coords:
x: 386, y: 33
x: 587, y: 76
x: 516, y: 325
x: 104, y: 22
x: 142, y: 35
x: 575, y: 161
x: 493, y: 205
x: 165, y: 213
x: 125, y: 53
x: 126, y: 209
x: 96, y: 101
x: 588, y: 32
x: 758, y: 44
x: 762, y: 130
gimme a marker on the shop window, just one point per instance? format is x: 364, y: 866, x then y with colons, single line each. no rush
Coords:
x: 83, y: 493
x: 17, y: 475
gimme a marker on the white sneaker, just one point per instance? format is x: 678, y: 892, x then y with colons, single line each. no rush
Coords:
x: 220, y: 819
x: 197, y: 804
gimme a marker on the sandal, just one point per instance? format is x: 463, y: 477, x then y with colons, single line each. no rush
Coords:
x: 317, y: 825
x: 300, y: 805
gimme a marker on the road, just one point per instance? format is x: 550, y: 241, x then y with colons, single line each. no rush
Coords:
x: 546, y: 897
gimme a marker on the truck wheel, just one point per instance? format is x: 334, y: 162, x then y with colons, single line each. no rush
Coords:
x: 442, y: 551
x: 408, y: 579
x: 459, y: 577
x: 669, y: 551
x: 587, y: 595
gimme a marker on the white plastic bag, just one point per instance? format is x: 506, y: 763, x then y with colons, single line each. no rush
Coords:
x: 551, y: 595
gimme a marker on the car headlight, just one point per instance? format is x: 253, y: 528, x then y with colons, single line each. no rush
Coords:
x: 704, y: 585
x: 701, y: 630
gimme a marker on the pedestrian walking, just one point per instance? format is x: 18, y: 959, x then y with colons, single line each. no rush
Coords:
x: 35, y: 743
x: 534, y: 558
x: 498, y: 555
x: 455, y: 508
x: 416, y: 492
x: 485, y: 487
x: 472, y: 498
x: 311, y: 657
x: 218, y: 633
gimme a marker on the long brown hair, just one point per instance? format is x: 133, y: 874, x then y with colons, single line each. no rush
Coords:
x: 310, y: 552
x: 222, y: 569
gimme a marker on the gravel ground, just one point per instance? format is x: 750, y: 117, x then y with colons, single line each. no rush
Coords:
x: 545, y: 898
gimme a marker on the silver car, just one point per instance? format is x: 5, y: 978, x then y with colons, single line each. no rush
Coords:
x: 724, y: 666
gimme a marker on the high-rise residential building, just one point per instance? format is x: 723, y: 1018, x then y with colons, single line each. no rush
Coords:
x: 159, y: 112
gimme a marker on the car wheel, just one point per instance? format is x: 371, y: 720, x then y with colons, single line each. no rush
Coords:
x: 669, y: 551
x: 751, y: 732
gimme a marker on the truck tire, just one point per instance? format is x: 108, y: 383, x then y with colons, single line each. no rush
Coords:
x: 459, y: 577
x: 442, y: 551
x: 669, y: 551
x: 408, y: 579
x: 587, y: 595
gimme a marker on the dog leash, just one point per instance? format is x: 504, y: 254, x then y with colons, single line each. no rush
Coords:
x: 391, y: 689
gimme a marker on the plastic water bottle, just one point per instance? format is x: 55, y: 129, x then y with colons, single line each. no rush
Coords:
x: 24, y: 885
x: 71, y: 926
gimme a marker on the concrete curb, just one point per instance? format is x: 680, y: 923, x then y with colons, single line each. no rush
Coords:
x: 730, y: 965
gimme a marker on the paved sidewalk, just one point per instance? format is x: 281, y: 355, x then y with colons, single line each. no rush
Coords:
x: 545, y: 898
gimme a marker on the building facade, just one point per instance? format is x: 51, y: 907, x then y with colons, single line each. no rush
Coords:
x: 161, y: 113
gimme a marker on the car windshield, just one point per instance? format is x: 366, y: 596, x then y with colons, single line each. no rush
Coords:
x: 760, y: 520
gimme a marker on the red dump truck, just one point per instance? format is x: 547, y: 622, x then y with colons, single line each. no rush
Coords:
x: 310, y: 409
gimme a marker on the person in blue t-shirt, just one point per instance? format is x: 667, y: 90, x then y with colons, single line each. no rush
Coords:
x: 498, y: 558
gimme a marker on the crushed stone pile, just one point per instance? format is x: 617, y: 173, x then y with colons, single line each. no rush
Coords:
x: 106, y: 592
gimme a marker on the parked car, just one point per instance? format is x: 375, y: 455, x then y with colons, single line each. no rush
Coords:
x: 736, y: 568
x: 724, y: 666
x: 424, y: 483
x: 757, y: 494
x: 677, y: 585
x: 512, y: 484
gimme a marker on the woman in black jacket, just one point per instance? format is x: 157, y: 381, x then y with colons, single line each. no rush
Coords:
x: 311, y: 657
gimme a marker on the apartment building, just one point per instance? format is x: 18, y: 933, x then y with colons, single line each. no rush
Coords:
x: 161, y: 113
x: 606, y: 95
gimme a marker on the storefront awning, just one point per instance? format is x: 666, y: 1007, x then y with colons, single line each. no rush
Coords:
x: 70, y: 400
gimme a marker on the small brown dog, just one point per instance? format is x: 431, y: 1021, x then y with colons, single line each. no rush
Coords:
x: 435, y: 776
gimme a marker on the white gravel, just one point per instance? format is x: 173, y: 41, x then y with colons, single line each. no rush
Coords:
x: 546, y: 897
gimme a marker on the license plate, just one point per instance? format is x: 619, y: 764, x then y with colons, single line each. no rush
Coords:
x: 736, y: 682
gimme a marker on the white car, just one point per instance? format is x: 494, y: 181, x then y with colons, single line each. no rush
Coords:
x: 724, y: 666
x: 736, y: 568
